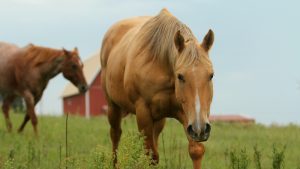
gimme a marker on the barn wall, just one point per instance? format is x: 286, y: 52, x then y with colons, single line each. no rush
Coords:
x: 97, y: 100
x: 74, y: 104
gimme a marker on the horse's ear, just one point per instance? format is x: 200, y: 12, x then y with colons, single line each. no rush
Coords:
x: 66, y: 53
x: 179, y: 41
x: 76, y: 50
x: 208, y: 40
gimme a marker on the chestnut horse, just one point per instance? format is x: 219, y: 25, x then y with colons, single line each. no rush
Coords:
x: 26, y: 72
x: 154, y: 67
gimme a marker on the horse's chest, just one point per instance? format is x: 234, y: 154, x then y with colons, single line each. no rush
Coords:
x: 163, y: 105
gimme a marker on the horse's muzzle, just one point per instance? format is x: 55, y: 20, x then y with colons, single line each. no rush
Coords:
x: 82, y: 88
x: 203, y: 136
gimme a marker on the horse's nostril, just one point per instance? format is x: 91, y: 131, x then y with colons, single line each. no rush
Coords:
x: 190, y: 129
x: 207, y: 128
x: 83, y: 88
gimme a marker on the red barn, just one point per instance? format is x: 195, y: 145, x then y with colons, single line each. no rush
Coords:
x: 92, y: 102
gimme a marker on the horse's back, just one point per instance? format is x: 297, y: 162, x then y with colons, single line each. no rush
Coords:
x: 115, y: 34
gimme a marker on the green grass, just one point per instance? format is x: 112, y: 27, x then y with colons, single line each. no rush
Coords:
x: 231, y: 146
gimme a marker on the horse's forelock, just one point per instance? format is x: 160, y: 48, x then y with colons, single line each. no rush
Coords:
x: 188, y: 56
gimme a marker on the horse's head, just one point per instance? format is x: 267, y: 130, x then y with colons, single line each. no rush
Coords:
x: 72, y: 69
x: 193, y: 84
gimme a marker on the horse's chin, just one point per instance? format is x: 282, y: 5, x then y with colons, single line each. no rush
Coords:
x: 201, y: 138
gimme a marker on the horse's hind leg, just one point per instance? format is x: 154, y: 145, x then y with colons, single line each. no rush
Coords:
x: 114, y: 117
x: 30, y: 114
x: 5, y: 108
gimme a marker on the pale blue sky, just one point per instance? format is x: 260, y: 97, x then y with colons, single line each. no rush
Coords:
x: 256, y: 54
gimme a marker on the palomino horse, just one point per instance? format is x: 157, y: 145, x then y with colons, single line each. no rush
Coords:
x: 155, y: 68
x: 26, y: 72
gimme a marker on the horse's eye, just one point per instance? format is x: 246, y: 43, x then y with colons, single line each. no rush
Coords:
x: 180, y: 77
x: 211, y: 76
x: 74, y: 67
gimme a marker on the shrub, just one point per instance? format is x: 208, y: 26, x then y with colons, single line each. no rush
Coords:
x: 101, y: 159
x: 257, y: 157
x: 278, y: 157
x: 132, y: 154
x: 238, y: 159
x: 9, y: 164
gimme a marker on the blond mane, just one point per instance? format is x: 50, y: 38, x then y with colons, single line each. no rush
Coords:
x: 157, y: 37
x: 36, y: 55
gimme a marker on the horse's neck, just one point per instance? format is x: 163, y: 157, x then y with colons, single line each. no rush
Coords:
x: 51, y: 69
x: 48, y: 71
x: 44, y: 66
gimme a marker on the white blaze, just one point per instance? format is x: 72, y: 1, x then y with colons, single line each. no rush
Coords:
x: 198, y: 109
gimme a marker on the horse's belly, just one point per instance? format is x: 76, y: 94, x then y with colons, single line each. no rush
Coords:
x: 6, y: 90
x: 5, y: 83
x: 6, y: 70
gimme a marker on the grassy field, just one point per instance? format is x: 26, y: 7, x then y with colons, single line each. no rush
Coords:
x: 230, y: 145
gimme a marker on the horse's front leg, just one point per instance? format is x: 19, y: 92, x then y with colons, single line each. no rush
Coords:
x: 196, y: 151
x: 157, y: 129
x: 26, y: 119
x: 30, y: 113
x: 146, y: 126
x: 114, y: 118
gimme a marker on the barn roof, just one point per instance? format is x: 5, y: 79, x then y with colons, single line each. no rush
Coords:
x: 91, y: 69
x: 231, y: 118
